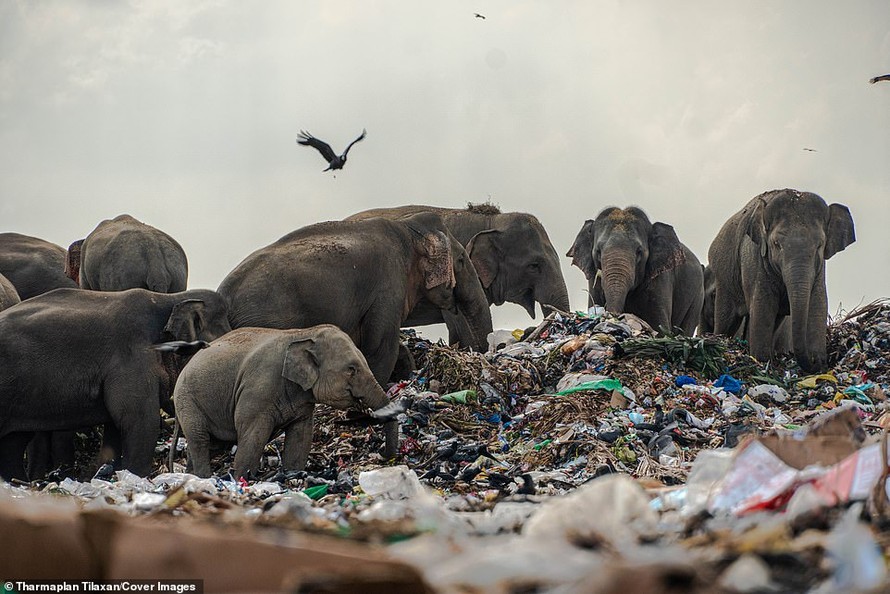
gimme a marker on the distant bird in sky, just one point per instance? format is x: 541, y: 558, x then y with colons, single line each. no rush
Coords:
x: 877, y: 78
x: 811, y: 150
x: 479, y: 16
x: 334, y: 161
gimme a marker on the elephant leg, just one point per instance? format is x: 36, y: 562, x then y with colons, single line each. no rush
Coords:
x: 12, y: 455
x: 196, y: 431
x: 405, y: 365
x: 39, y: 455
x: 132, y: 403
x: 762, y: 324
x: 111, y: 450
x: 252, y: 440
x: 297, y: 444
x: 198, y: 452
x: 782, y: 335
x: 726, y: 318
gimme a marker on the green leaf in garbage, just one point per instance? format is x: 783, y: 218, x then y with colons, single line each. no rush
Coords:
x: 316, y: 492
x: 606, y: 384
x: 704, y: 354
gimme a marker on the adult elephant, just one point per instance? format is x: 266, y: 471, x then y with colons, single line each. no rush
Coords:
x: 511, y: 252
x: 124, y: 253
x: 34, y: 266
x: 769, y: 261
x: 8, y: 295
x: 633, y: 265
x: 471, y: 326
x: 361, y: 276
x: 72, y: 358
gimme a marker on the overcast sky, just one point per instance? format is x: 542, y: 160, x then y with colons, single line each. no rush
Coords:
x: 185, y: 114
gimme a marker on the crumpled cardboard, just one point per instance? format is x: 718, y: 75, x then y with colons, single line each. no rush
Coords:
x: 767, y: 470
x: 825, y: 442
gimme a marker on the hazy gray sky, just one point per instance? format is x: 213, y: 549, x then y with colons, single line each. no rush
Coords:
x: 185, y: 113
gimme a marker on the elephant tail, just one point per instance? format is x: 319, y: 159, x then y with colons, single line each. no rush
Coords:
x: 171, y: 456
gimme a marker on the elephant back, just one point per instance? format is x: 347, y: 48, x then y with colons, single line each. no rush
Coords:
x: 124, y: 253
x: 33, y: 266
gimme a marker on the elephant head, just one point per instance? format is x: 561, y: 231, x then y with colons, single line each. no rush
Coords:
x: 327, y: 364
x: 72, y: 261
x: 794, y: 233
x: 620, y: 250
x: 196, y: 315
x: 517, y: 263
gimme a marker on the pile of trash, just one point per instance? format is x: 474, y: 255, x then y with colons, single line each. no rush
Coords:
x: 587, y: 454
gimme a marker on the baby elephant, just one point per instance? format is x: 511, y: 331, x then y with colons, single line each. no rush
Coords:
x: 252, y: 383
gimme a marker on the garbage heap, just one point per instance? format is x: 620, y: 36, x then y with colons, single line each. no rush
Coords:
x: 586, y: 455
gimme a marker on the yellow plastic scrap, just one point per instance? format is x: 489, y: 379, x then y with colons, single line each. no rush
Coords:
x: 517, y: 334
x: 810, y: 381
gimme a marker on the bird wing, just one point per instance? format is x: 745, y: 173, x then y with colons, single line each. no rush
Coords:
x: 877, y: 78
x: 306, y: 139
x: 361, y: 137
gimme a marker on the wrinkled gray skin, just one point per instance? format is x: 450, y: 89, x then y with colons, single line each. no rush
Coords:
x: 8, y: 295
x: 32, y: 265
x: 253, y: 383
x: 769, y: 262
x: 511, y: 252
x: 471, y: 326
x: 639, y: 267
x: 781, y: 339
x: 73, y: 358
x: 123, y: 253
x: 364, y: 277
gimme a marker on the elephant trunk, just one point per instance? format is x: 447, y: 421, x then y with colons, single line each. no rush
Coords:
x: 617, y: 279
x: 799, y: 285
x: 373, y: 396
x: 553, y: 294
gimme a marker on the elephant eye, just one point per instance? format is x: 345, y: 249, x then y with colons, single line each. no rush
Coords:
x: 535, y: 267
x: 352, y: 371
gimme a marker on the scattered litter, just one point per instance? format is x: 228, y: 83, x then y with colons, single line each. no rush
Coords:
x: 588, y: 446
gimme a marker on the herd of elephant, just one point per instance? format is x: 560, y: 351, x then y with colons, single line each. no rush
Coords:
x: 315, y: 316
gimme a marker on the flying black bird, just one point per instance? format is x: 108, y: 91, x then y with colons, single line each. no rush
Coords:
x: 810, y: 150
x: 877, y: 78
x: 334, y: 161
x: 479, y: 16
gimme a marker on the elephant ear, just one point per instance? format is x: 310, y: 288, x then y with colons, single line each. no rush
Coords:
x: 756, y: 227
x: 72, y: 261
x: 840, y: 232
x: 581, y: 251
x: 301, y: 364
x: 485, y: 253
x: 438, y: 267
x: 665, y: 250
x: 186, y: 320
